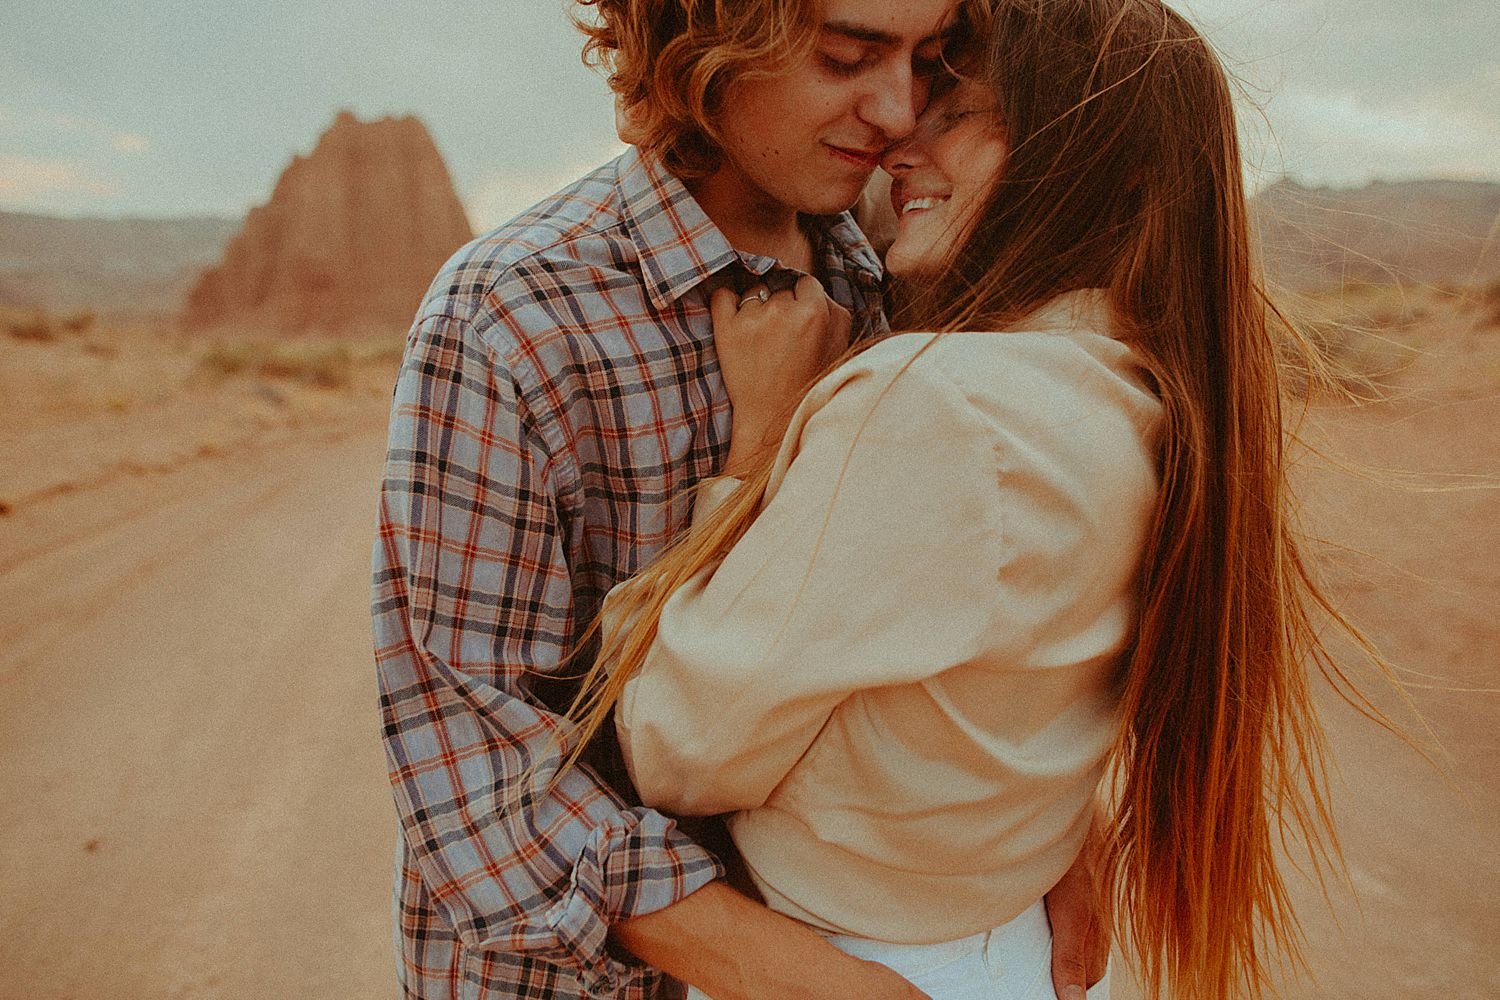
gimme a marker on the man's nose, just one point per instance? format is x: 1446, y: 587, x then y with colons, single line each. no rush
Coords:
x: 892, y: 105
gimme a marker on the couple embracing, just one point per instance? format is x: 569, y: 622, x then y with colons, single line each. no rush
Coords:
x: 957, y: 593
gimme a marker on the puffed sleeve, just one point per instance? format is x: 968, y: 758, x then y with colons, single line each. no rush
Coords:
x: 872, y: 562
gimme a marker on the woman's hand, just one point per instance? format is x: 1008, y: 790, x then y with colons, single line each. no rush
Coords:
x: 771, y: 347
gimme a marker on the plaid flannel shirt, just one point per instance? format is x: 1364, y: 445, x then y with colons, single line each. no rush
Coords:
x: 558, y: 397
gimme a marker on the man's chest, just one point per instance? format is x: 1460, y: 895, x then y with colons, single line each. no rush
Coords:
x: 644, y: 425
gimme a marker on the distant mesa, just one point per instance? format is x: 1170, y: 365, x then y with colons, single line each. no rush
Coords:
x: 354, y: 232
x: 1422, y: 231
x: 349, y: 241
x: 122, y: 268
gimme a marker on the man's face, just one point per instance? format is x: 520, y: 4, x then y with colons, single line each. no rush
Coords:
x: 809, y: 138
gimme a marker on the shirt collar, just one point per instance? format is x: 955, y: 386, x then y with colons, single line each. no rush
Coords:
x: 679, y: 246
x: 1084, y: 309
x: 849, y: 241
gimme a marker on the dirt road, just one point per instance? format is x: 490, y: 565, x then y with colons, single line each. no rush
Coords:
x: 1415, y: 527
x: 193, y: 801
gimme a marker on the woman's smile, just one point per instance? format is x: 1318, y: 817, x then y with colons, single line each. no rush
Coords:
x: 941, y: 176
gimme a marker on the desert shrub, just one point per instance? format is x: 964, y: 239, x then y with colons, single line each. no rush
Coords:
x: 79, y: 323
x: 1343, y: 359
x: 223, y: 360
x: 37, y: 327
x: 325, y: 366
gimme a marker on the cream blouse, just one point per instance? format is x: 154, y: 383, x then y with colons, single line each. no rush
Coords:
x: 900, y: 680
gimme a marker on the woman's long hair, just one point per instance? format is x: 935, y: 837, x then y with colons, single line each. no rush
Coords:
x: 1124, y: 173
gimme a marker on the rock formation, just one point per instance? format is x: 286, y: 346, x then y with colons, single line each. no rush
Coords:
x: 349, y: 241
x: 1422, y: 231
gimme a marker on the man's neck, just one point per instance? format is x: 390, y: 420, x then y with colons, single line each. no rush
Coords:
x: 752, y: 220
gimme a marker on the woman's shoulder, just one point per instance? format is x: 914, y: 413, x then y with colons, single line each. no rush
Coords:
x: 893, y: 381
x: 1055, y: 394
x: 1037, y: 371
x: 1021, y: 372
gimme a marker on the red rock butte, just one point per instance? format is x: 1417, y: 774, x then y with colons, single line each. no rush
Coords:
x: 351, y: 238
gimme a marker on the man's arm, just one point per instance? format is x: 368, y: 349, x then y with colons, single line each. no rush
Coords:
x: 473, y: 601
x: 734, y: 949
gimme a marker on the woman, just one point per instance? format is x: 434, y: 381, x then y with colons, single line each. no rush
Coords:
x: 978, y: 567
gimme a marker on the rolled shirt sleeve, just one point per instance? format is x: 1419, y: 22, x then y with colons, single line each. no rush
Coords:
x: 873, y: 562
x: 472, y: 603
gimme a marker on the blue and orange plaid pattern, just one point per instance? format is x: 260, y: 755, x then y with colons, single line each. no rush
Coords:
x: 558, y: 398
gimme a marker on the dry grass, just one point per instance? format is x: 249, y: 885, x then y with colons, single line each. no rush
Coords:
x: 84, y: 402
x: 40, y: 326
x: 1363, y: 337
x: 1369, y: 337
x: 322, y: 364
x: 64, y: 368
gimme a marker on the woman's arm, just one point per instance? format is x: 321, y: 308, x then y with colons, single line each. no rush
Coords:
x: 873, y: 562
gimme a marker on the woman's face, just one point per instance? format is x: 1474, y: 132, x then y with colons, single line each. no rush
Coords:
x: 941, y: 176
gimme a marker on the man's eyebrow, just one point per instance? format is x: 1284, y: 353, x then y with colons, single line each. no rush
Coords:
x: 859, y: 32
x: 874, y: 36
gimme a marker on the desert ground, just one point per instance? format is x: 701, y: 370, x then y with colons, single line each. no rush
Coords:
x: 193, y: 802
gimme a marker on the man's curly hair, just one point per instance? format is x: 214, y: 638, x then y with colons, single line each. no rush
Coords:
x: 671, y: 61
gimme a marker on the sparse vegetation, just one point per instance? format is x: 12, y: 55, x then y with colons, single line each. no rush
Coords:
x: 79, y: 323
x: 321, y: 365
x: 318, y: 363
x: 1360, y: 335
x: 1490, y: 296
x: 1364, y: 361
x: 36, y: 327
x: 41, y: 327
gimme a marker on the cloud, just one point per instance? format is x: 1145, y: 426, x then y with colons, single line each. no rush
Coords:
x: 1342, y: 93
x: 63, y: 125
x: 1324, y: 135
x: 48, y: 182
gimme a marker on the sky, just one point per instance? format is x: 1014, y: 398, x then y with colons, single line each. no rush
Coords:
x: 126, y: 107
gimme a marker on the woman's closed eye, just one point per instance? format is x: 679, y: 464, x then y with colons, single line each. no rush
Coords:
x: 940, y: 124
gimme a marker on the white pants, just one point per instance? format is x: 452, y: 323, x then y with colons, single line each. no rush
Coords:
x: 1011, y: 962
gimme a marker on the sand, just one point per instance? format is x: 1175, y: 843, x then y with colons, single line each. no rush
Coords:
x: 193, y: 802
x: 194, y: 799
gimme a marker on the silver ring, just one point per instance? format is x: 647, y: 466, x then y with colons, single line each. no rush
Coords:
x: 761, y: 295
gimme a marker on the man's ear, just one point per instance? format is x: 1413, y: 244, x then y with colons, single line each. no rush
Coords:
x: 627, y: 122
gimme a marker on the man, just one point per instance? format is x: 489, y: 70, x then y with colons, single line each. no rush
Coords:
x: 558, y: 398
